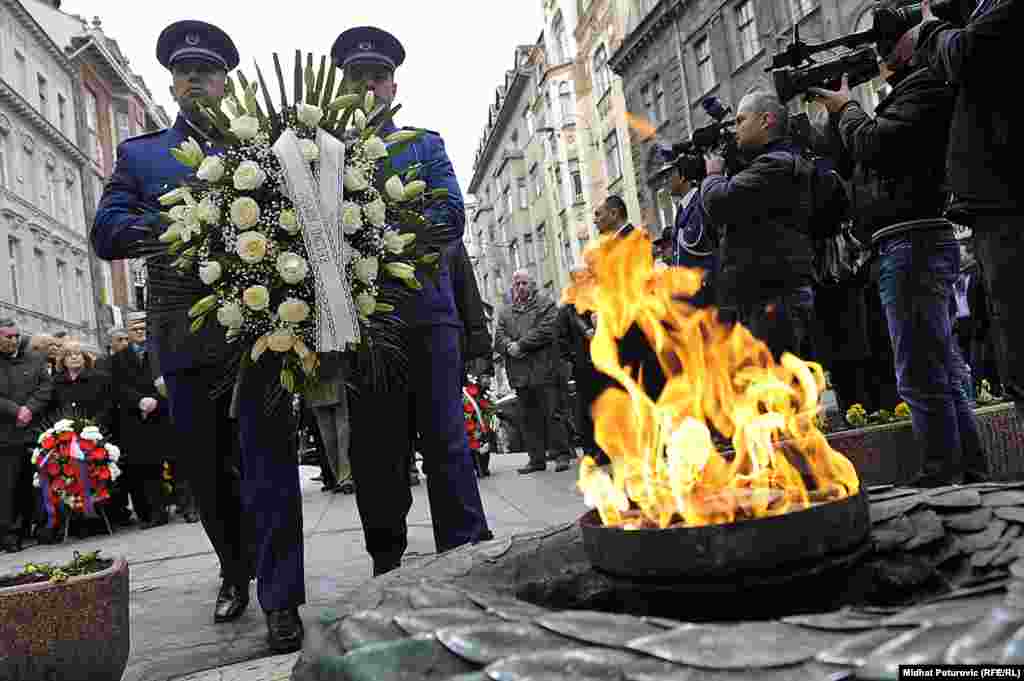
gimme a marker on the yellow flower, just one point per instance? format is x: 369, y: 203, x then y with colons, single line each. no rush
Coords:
x: 902, y: 410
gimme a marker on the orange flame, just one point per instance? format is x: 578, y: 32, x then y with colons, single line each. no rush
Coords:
x: 666, y: 469
x: 642, y: 126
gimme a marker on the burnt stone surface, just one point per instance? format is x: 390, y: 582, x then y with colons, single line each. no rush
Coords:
x: 938, y: 581
x: 75, y: 630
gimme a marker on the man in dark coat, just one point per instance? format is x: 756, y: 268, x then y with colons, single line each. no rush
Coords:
x: 25, y: 390
x: 918, y: 255
x: 199, y: 56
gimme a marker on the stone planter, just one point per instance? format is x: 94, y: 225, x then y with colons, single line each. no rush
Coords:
x: 888, y: 454
x: 77, y: 629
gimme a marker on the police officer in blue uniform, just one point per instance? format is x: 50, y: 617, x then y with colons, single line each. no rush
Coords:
x: 269, y: 543
x: 692, y: 241
x: 433, y: 398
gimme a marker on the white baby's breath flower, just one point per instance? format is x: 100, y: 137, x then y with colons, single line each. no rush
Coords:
x: 375, y: 149
x: 293, y: 311
x: 309, y: 114
x: 288, y: 221
x: 376, y: 212
x: 256, y: 298
x: 351, y: 217
x: 395, y: 188
x: 292, y: 267
x: 245, y: 212
x: 355, y: 180
x: 245, y: 127
x: 367, y: 269
x: 249, y: 176
x: 230, y: 315
x: 252, y: 247
x: 366, y: 303
x: 310, y: 151
x: 211, y: 170
x: 210, y: 271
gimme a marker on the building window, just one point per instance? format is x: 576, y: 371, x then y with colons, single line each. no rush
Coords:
x: 3, y: 161
x: 567, y: 258
x: 14, y: 264
x: 83, y: 297
x: 647, y: 97
x: 44, y: 95
x: 62, y: 273
x: 565, y: 99
x: 53, y: 193
x: 559, y: 187
x: 802, y: 8
x: 524, y: 194
x: 613, y: 156
x: 62, y: 113
x: 22, y: 63
x: 576, y: 180
x: 42, y: 280
x: 705, y: 67
x: 659, y: 100
x: 124, y: 130
x: 746, y: 26
x: 559, y: 48
x: 92, y: 117
x: 602, y: 78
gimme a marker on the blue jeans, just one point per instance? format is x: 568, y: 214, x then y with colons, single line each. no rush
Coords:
x: 915, y: 281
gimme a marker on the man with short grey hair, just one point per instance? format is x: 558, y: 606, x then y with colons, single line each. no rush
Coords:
x: 763, y: 213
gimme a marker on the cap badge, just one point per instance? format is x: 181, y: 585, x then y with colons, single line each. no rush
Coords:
x: 192, y: 39
x: 366, y: 47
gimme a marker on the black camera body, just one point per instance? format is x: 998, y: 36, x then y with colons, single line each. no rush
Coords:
x: 716, y: 137
x: 860, y: 66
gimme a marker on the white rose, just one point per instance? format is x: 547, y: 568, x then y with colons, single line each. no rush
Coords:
x: 366, y: 269
x: 292, y: 267
x: 211, y: 170
x: 395, y: 188
x: 230, y: 315
x: 310, y: 151
x: 245, y: 212
x: 288, y: 221
x: 375, y: 148
x: 376, y: 212
x: 293, y: 311
x: 113, y: 452
x: 210, y: 272
x: 245, y: 127
x: 309, y: 114
x: 207, y: 211
x: 351, y: 217
x: 249, y: 176
x: 366, y: 304
x: 115, y: 471
x: 256, y: 298
x: 281, y: 340
x: 355, y: 180
x: 252, y: 247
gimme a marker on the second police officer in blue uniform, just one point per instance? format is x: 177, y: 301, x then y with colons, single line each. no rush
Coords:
x: 199, y: 56
x: 433, y: 398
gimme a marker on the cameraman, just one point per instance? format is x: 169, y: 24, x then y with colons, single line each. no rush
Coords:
x: 763, y: 214
x: 898, y: 184
x: 984, y: 160
x: 691, y: 242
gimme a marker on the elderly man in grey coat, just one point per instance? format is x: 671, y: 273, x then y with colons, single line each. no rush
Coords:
x: 329, y: 403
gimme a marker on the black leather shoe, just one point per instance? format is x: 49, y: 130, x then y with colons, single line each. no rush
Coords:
x: 284, y: 630
x: 533, y: 468
x: 232, y: 600
x: 191, y: 517
x: 562, y: 465
x: 12, y: 543
x: 384, y: 566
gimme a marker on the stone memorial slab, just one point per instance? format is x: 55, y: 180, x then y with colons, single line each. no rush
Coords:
x: 886, y: 510
x: 367, y: 627
x: 955, y: 498
x: 892, y: 493
x: 420, y: 657
x: 507, y: 607
x: 995, y: 585
x: 484, y: 644
x: 746, y: 645
x: 972, y: 521
x: 1004, y: 498
x: 430, y: 595
x: 599, y: 628
x: 1014, y: 514
x: 927, y: 528
x: 892, y: 533
x: 925, y: 645
x: 986, y: 539
x: 840, y: 620
x: 592, y: 664
x: 429, y: 620
x: 946, y: 613
x: 855, y: 651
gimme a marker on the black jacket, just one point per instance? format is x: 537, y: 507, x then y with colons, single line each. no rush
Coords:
x: 476, y: 338
x: 91, y: 396
x: 24, y: 381
x: 986, y: 143
x: 898, y: 155
x: 145, y: 441
x: 762, y: 214
x: 573, y: 342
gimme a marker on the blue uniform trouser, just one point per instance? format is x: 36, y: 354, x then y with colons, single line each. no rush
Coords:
x: 381, y: 444
x: 271, y: 502
x: 915, y: 280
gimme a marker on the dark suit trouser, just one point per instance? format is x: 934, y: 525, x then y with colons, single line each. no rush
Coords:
x: 13, y: 461
x: 381, y: 443
x: 204, y: 461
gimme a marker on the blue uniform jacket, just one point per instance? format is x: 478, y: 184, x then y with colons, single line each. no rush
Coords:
x: 435, y: 304
x: 145, y: 170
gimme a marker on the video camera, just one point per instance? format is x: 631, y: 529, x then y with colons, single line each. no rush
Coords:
x: 688, y: 155
x: 794, y: 71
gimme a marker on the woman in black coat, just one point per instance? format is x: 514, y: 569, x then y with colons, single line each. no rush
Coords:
x: 144, y: 421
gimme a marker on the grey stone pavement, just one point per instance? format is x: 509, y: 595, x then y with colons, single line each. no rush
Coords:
x: 174, y: 572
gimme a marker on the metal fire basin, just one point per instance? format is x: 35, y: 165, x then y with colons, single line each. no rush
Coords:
x: 716, y: 551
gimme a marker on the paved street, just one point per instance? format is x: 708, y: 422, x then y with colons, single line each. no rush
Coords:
x: 174, y: 572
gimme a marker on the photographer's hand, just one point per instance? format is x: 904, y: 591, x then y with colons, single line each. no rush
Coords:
x: 832, y: 100
x: 926, y: 11
x: 714, y: 164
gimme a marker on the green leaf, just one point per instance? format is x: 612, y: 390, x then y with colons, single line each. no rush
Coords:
x: 297, y: 92
x: 266, y: 97
x: 318, y: 89
x: 310, y: 76
x: 430, y: 258
x: 328, y: 93
x: 280, y: 81
x: 202, y: 306
x: 288, y: 380
x: 198, y: 323
x: 413, y: 283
